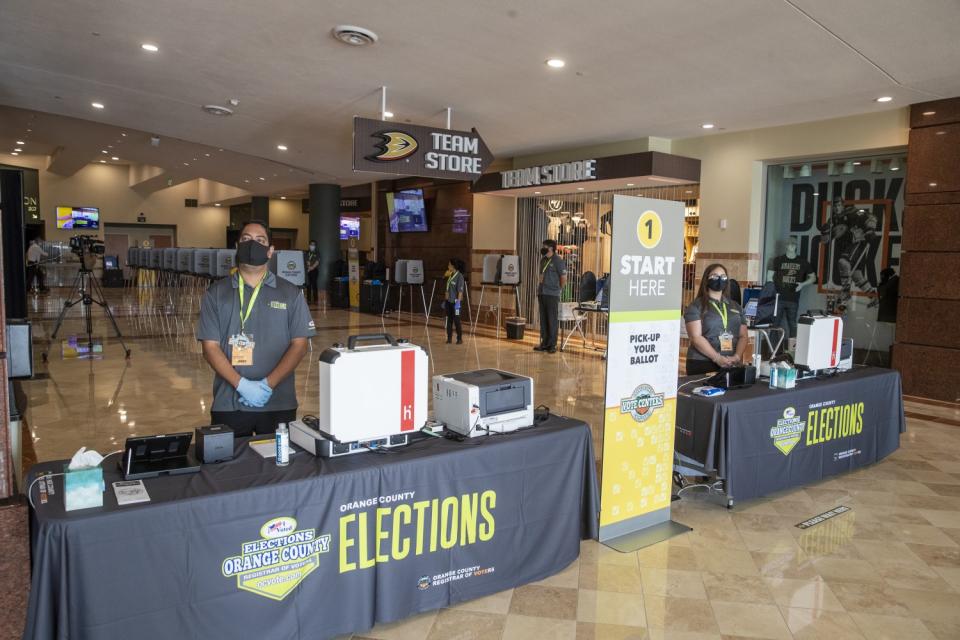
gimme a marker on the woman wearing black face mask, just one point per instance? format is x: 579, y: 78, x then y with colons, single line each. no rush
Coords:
x: 718, y: 334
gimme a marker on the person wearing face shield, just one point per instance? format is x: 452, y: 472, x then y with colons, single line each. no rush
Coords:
x: 715, y: 325
x: 254, y: 329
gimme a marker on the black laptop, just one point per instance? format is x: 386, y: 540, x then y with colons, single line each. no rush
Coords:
x: 153, y: 456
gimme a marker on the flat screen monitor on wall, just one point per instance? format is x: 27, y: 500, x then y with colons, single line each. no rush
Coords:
x: 78, y: 218
x: 349, y: 228
x: 407, y: 210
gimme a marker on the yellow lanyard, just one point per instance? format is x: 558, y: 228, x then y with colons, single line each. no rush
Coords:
x: 450, y: 279
x: 253, y: 298
x: 546, y: 266
x: 723, y: 313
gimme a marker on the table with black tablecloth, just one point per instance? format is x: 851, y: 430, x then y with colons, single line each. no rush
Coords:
x: 246, y: 549
x: 761, y: 440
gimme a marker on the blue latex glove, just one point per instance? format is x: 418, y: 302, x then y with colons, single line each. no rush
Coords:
x: 253, y: 394
x: 456, y: 307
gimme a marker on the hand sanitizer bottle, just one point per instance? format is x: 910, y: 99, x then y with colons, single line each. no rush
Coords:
x: 283, y: 445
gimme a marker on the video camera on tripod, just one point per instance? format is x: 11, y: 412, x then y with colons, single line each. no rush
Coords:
x: 87, y: 248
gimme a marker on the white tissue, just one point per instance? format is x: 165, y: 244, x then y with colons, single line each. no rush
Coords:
x: 84, y: 459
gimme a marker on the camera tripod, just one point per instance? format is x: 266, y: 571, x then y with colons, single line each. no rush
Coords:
x: 87, y: 291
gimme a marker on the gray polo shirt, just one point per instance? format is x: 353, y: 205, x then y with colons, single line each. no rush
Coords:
x: 279, y: 315
x: 551, y: 269
x: 711, y: 326
x: 455, y: 286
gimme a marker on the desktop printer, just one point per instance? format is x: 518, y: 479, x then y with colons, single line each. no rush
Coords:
x: 476, y: 403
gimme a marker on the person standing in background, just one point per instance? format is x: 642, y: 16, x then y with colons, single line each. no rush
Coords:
x: 553, y: 277
x: 453, y: 297
x: 313, y: 272
x: 35, y: 255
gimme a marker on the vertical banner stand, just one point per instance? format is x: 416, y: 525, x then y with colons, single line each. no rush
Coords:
x: 642, y: 366
x: 353, y: 274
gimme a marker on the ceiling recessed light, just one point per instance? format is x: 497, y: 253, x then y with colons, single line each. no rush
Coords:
x: 96, y: 105
x: 18, y: 149
x: 282, y: 147
x: 104, y: 151
x: 152, y: 48
x: 217, y: 110
x: 217, y: 205
x: 114, y: 158
x: 816, y: 193
x: 536, y: 193
x: 283, y: 197
x: 245, y: 180
x: 103, y: 162
x: 629, y: 184
x: 124, y: 135
x: 929, y: 113
x: 707, y: 125
x: 556, y: 63
x: 857, y: 163
x: 21, y: 142
x: 579, y: 188
x: 884, y: 99
x: 207, y: 155
x: 388, y: 114
x: 354, y: 36
x: 186, y: 164
x: 688, y: 191
x: 14, y: 153
x: 261, y: 178
x: 933, y: 184
x: 941, y: 133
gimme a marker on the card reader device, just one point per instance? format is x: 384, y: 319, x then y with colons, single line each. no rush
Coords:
x: 477, y: 403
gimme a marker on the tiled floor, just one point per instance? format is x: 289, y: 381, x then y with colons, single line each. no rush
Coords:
x: 890, y: 568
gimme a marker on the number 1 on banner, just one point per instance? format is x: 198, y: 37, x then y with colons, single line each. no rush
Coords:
x: 649, y: 229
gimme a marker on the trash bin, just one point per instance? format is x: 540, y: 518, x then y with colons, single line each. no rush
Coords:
x: 515, y: 327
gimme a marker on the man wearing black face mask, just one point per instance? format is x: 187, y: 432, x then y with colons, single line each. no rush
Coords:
x: 254, y: 329
x: 553, y: 277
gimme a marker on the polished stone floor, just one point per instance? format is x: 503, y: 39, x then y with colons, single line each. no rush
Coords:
x: 889, y: 568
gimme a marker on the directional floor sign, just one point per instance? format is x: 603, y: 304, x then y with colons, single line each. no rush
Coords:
x: 413, y: 150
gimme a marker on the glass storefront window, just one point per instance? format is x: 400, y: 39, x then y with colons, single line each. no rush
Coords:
x: 580, y: 224
x: 839, y: 220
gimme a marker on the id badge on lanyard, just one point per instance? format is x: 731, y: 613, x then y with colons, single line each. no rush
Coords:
x: 725, y: 338
x: 241, y: 352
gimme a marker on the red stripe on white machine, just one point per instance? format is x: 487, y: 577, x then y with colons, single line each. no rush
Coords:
x: 835, y: 343
x: 408, y: 369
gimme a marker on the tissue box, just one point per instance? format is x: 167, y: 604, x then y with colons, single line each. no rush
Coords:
x: 83, y: 488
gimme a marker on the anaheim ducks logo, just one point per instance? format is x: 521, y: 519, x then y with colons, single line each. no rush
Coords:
x: 394, y: 145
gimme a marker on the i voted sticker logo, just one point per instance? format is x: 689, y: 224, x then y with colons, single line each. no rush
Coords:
x: 278, y: 527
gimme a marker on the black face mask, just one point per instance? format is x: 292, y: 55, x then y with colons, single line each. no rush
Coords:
x: 543, y: 251
x: 251, y: 252
x: 717, y: 283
